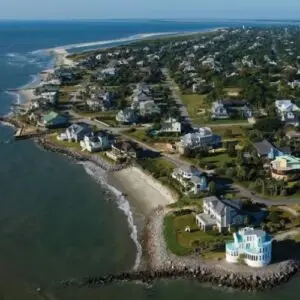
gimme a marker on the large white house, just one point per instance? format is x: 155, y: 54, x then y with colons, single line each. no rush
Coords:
x: 96, y: 142
x: 254, y: 244
x: 75, y: 132
x: 171, y: 125
x: 219, y: 213
x: 204, y: 137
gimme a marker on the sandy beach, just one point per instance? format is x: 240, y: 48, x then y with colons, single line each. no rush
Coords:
x: 27, y: 95
x: 143, y: 189
x: 61, y: 58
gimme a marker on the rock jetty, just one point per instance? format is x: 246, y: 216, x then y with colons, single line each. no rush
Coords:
x: 245, y: 282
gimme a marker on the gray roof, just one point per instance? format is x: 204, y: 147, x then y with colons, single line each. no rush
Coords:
x: 220, y: 205
x: 257, y: 232
x: 196, y: 179
x: 76, y: 128
x: 264, y: 147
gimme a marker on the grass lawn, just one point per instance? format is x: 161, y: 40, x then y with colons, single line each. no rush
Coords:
x: 229, y: 121
x: 184, y: 243
x: 68, y: 88
x: 217, y: 160
x: 66, y: 144
x: 187, y: 201
x: 230, y: 132
x: 139, y: 134
x: 194, y: 103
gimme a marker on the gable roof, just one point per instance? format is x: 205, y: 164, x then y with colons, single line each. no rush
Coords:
x: 264, y: 147
x: 50, y: 116
x: 219, y: 205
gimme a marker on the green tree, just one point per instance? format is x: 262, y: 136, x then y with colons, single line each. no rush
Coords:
x: 212, y: 187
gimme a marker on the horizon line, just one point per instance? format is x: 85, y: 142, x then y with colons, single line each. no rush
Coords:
x: 148, y: 19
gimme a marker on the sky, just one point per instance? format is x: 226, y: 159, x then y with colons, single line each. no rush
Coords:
x: 149, y: 9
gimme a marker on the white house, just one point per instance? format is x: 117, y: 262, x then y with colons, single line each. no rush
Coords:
x: 288, y: 112
x: 190, y: 178
x: 219, y: 213
x: 96, y: 142
x: 218, y: 111
x: 171, y: 125
x: 185, y: 172
x: 204, y: 137
x: 255, y: 246
x: 127, y: 116
x: 75, y: 132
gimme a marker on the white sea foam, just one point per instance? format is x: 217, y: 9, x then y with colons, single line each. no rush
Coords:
x: 101, y: 177
x: 106, y: 42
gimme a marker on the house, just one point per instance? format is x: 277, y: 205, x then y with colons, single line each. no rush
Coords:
x: 220, y: 214
x: 50, y: 97
x: 98, y: 141
x: 198, y: 184
x: 223, y: 109
x: 171, y: 126
x: 54, y: 120
x: 218, y: 111
x: 76, y: 132
x: 185, y: 172
x: 125, y: 149
x: 126, y: 116
x: 141, y: 93
x: 285, y: 167
x: 266, y: 150
x: 288, y: 112
x: 293, y: 135
x: 254, y: 244
x: 204, y: 137
x: 110, y: 71
x: 146, y: 108
x: 191, y: 178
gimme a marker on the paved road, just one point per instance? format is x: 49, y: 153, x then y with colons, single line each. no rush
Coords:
x: 174, y: 89
x: 257, y: 199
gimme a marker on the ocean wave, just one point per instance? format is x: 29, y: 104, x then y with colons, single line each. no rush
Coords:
x: 107, y: 42
x: 20, y: 60
x: 101, y: 177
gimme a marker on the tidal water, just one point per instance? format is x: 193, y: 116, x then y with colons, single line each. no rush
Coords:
x: 59, y: 219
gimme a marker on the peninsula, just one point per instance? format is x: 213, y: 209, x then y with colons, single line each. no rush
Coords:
x: 203, y: 129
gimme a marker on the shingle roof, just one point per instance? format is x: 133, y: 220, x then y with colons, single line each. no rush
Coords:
x: 263, y: 147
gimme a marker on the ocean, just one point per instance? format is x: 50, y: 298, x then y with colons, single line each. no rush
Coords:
x: 59, y: 219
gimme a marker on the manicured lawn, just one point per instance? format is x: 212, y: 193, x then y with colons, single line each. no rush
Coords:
x: 194, y: 104
x: 184, y: 243
x: 234, y: 132
x: 139, y: 134
x: 229, y: 121
x: 66, y: 144
x: 217, y: 160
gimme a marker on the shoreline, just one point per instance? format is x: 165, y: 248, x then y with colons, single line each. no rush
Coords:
x: 142, y: 188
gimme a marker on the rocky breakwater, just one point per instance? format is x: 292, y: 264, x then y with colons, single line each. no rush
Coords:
x: 79, y: 156
x: 204, y: 274
x: 164, y: 265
